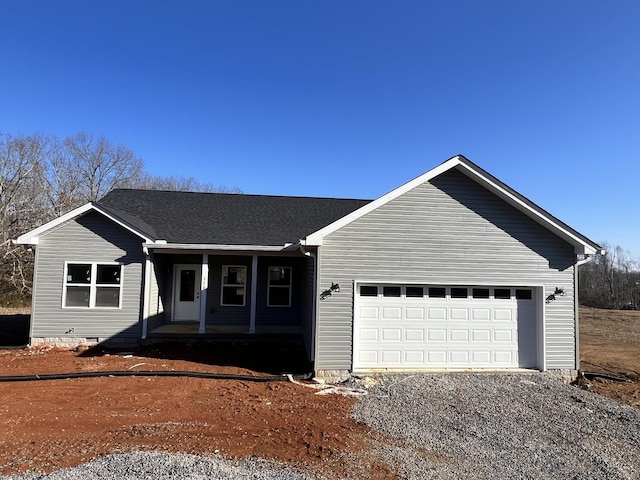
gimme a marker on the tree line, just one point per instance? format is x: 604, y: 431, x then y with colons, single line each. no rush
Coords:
x: 43, y: 177
x: 611, y: 280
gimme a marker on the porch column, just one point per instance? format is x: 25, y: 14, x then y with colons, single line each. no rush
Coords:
x: 204, y: 283
x: 145, y: 292
x: 254, y: 293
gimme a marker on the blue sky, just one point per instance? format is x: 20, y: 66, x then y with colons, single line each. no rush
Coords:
x: 345, y: 98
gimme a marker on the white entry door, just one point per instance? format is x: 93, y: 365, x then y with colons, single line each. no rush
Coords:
x: 186, y: 293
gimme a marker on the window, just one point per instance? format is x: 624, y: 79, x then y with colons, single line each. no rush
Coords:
x: 415, y: 292
x: 279, y: 288
x: 480, y: 292
x: 437, y: 292
x: 502, y: 293
x: 523, y: 294
x: 368, y: 291
x: 92, y: 285
x: 234, y: 279
x: 391, y: 291
x: 458, y: 292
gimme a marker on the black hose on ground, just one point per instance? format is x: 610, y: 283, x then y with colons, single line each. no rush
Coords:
x: 606, y: 375
x: 147, y: 373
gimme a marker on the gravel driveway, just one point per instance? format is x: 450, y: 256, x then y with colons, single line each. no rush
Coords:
x: 446, y: 426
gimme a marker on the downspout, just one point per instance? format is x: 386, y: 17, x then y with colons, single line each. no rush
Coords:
x: 576, y: 308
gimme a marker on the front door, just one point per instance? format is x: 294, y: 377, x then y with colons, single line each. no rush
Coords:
x: 186, y: 293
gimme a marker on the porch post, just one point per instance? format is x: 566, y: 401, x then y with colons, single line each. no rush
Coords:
x: 254, y: 293
x: 145, y: 292
x: 204, y: 283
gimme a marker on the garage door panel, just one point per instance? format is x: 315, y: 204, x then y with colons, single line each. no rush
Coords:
x: 414, y: 335
x: 437, y: 358
x: 503, y: 335
x: 481, y: 335
x: 413, y: 313
x: 391, y: 356
x: 437, y: 335
x: 503, y: 314
x: 391, y: 313
x: 459, y: 357
x: 391, y: 334
x: 481, y: 314
x: 368, y: 334
x: 414, y: 357
x: 458, y: 314
x: 456, y: 335
x: 369, y: 312
x: 413, y: 332
x: 436, y: 313
x: 481, y: 356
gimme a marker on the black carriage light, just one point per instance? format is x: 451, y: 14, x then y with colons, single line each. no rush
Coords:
x: 327, y: 293
x: 552, y: 297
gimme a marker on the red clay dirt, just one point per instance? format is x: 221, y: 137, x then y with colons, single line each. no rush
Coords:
x: 52, y: 424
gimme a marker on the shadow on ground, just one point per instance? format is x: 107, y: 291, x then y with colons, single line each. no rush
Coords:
x: 272, y: 357
x: 269, y: 356
x: 14, y: 330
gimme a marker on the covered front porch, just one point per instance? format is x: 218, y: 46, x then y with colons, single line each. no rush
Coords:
x: 215, y: 294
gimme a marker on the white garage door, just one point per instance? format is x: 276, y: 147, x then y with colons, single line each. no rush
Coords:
x: 419, y: 326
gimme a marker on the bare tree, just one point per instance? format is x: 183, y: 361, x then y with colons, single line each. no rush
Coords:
x: 611, y: 280
x: 20, y: 207
x: 181, y: 184
x: 97, y: 166
x: 42, y: 178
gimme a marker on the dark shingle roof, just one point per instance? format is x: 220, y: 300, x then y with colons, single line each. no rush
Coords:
x: 225, y: 219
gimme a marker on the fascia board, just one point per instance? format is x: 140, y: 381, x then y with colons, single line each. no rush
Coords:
x: 315, y: 239
x: 33, y: 237
x: 215, y: 247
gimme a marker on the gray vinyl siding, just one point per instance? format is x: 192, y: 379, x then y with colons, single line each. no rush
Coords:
x: 444, y: 232
x: 283, y: 316
x: 227, y: 315
x: 90, y: 238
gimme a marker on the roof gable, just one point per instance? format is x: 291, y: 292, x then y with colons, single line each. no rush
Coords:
x: 145, y: 232
x: 582, y: 245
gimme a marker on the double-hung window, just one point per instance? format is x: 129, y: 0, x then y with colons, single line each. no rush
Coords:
x: 92, y: 285
x: 279, y: 288
x: 234, y: 278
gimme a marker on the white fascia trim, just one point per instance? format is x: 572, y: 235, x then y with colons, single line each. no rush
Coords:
x: 316, y: 237
x: 33, y: 237
x: 212, y: 247
x: 580, y: 246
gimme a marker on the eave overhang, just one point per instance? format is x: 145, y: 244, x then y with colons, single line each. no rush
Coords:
x: 208, y: 247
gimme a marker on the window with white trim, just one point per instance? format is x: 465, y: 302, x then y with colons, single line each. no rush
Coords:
x: 279, y: 287
x: 92, y: 285
x: 234, y: 280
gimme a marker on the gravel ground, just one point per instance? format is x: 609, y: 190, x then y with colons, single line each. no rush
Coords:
x: 446, y: 426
